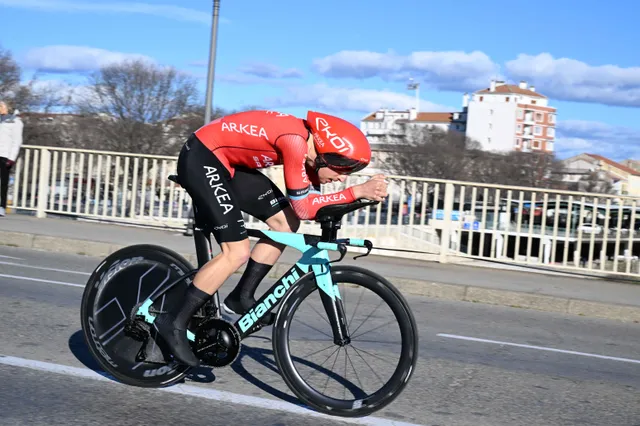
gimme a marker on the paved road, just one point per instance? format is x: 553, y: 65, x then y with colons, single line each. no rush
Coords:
x: 515, y: 279
x: 459, y: 380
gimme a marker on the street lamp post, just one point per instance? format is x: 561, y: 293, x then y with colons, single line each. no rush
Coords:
x: 209, y: 101
x: 212, y: 61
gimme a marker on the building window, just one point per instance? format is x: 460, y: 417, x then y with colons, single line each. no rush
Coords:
x: 551, y: 132
x: 481, y: 98
x: 536, y: 144
x: 518, y: 142
x: 520, y: 113
x: 537, y: 130
x: 539, y: 116
x: 490, y: 112
x: 507, y: 99
x: 533, y: 101
x: 489, y: 141
x: 490, y: 126
x: 519, y: 128
x: 552, y: 118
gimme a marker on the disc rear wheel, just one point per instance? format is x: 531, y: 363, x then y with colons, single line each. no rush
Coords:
x: 123, y: 280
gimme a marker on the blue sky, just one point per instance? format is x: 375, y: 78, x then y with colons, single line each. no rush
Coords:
x: 341, y: 57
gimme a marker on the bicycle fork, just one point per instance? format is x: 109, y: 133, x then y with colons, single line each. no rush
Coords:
x: 337, y: 318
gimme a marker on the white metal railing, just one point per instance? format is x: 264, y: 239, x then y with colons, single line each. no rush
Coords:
x: 99, y: 184
x: 449, y: 219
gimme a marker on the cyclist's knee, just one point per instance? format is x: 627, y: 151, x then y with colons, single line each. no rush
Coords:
x: 237, y: 252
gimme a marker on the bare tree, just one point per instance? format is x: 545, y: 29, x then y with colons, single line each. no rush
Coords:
x: 30, y: 96
x: 596, y: 182
x: 440, y: 154
x: 432, y: 152
x: 533, y: 169
x: 9, y: 75
x: 135, y: 100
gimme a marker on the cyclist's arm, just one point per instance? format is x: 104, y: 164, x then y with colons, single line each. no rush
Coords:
x: 305, y: 199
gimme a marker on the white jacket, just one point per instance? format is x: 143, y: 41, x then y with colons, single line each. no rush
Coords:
x: 10, y: 136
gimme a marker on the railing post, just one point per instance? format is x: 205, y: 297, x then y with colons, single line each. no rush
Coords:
x: 43, y: 183
x: 445, y: 237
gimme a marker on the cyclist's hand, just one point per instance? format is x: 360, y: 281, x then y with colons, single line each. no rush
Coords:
x: 375, y: 189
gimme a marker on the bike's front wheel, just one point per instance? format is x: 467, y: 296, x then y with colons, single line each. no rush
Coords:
x: 365, y: 296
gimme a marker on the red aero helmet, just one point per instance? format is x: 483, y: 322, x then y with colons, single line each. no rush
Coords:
x: 339, y: 144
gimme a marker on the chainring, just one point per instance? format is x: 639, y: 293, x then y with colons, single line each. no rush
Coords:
x: 217, y: 342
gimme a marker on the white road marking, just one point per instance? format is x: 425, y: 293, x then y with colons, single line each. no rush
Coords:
x: 11, y: 257
x: 539, y: 348
x: 17, y: 277
x: 211, y: 394
x: 45, y: 269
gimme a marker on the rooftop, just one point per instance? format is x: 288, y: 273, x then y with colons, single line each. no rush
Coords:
x: 614, y: 164
x: 510, y: 88
x: 424, y: 117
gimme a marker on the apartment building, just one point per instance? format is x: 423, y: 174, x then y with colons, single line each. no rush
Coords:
x: 502, y: 118
x: 506, y: 117
x: 384, y: 125
x: 384, y: 129
x: 625, y: 180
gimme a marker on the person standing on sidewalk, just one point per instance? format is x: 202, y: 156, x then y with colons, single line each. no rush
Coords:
x: 11, y: 127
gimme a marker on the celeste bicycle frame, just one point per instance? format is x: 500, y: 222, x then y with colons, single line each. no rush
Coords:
x: 315, y: 259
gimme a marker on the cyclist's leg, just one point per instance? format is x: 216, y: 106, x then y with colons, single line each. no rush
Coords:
x: 261, y: 198
x: 208, y: 183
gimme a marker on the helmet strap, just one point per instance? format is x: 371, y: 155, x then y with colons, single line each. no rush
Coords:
x: 320, y: 163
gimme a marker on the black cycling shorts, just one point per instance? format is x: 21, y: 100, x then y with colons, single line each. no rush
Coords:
x: 221, y: 198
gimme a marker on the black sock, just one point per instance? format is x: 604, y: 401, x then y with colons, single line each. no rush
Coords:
x: 251, y: 278
x: 193, y: 300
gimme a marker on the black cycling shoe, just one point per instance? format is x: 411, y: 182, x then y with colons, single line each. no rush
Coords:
x: 176, y: 339
x: 232, y: 305
x: 172, y: 325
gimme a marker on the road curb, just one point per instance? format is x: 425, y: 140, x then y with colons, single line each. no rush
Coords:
x: 453, y: 292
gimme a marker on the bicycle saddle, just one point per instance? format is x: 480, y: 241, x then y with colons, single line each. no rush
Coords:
x: 334, y: 213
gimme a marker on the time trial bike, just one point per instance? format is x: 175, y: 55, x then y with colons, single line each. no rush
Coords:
x: 133, y: 284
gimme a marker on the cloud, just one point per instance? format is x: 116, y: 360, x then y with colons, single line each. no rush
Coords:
x: 256, y: 69
x: 165, y: 11
x: 264, y: 70
x: 558, y: 78
x: 71, y: 93
x: 340, y: 99
x: 450, y: 70
x: 578, y: 136
x: 573, y: 80
x: 69, y: 59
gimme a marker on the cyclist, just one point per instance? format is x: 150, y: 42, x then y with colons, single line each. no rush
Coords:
x: 218, y: 165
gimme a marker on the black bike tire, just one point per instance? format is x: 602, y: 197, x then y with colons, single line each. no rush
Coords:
x: 133, y: 250
x: 409, y: 358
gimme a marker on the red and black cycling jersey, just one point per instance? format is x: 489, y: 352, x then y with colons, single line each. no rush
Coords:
x: 259, y: 139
